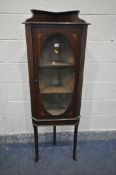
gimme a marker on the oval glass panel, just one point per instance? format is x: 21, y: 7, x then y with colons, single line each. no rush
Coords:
x: 56, y: 74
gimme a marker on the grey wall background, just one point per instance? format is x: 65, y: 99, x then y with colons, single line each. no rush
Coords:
x: 99, y: 90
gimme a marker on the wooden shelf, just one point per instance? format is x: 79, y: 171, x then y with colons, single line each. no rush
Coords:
x: 56, y: 90
x: 56, y: 64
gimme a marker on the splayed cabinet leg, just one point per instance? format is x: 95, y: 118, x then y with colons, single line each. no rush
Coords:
x: 75, y: 142
x: 36, y: 143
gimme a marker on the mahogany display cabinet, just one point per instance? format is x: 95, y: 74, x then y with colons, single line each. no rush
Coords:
x: 56, y: 51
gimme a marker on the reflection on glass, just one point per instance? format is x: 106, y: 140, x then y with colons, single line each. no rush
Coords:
x: 56, y: 74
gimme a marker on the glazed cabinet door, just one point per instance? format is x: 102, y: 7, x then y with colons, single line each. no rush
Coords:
x: 56, y: 65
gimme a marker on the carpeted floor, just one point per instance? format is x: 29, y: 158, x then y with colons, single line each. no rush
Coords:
x: 94, y: 158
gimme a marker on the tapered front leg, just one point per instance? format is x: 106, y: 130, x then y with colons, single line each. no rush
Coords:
x: 54, y: 135
x: 36, y: 143
x: 75, y: 142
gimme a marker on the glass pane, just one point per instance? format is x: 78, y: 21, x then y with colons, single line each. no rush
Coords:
x: 56, y: 74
